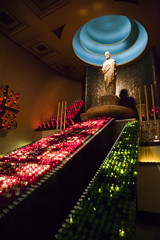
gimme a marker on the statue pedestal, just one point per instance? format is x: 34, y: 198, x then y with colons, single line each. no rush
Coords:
x: 115, y: 111
x: 109, y: 100
x: 109, y: 108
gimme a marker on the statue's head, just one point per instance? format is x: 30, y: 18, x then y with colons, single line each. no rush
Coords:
x: 107, y: 55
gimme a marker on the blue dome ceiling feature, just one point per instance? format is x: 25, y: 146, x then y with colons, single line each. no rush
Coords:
x: 104, y: 29
x: 123, y: 37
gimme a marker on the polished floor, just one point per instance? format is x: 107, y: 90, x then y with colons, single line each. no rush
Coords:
x: 147, y: 226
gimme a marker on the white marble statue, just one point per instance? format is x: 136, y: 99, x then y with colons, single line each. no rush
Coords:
x: 110, y: 74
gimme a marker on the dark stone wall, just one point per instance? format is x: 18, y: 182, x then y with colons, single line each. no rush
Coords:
x: 130, y: 76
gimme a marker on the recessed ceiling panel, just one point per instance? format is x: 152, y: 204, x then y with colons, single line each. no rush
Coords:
x: 124, y: 37
x: 45, y: 7
x: 9, y: 24
x: 64, y: 66
x: 40, y: 48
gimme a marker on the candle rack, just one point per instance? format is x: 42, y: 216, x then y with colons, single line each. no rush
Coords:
x: 149, y: 119
x: 9, y: 108
x: 25, y: 166
x: 39, y: 207
x: 65, y: 116
x: 107, y: 207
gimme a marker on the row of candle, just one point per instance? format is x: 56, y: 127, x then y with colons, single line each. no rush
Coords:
x: 106, y: 209
x: 27, y: 172
x: 57, y: 143
x: 64, y: 117
x: 70, y: 111
x: 29, y: 163
x: 16, y: 177
x: 154, y: 110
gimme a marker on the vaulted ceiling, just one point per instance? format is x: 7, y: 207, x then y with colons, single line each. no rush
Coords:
x: 45, y: 28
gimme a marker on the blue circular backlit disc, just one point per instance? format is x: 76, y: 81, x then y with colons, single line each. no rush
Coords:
x: 124, y: 37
